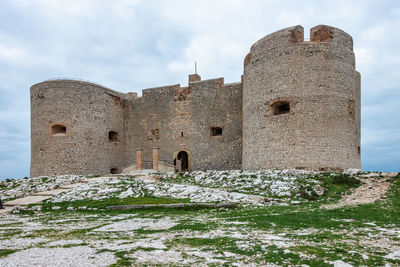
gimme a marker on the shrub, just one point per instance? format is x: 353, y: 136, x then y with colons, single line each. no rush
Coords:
x: 345, y: 179
x: 308, y: 192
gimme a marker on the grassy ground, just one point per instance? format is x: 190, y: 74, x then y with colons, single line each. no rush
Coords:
x: 361, y: 235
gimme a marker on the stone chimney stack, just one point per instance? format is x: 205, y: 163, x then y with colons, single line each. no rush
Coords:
x: 194, y: 78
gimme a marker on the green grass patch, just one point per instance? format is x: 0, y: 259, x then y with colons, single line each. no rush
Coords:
x: 83, y: 232
x: 194, y: 226
x: 310, y: 215
x: 149, y: 232
x: 10, y: 233
x: 123, y: 259
x: 6, y: 252
x: 43, y: 233
x: 11, y: 224
x: 103, y: 203
x: 75, y: 245
x: 334, y: 184
x: 146, y: 249
x: 293, y: 218
x: 338, y: 251
x: 93, y: 176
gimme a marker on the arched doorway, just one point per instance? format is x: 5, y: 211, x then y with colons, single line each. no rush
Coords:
x: 184, y: 159
x: 114, y: 171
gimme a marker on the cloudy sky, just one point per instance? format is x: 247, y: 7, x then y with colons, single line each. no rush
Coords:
x: 130, y: 45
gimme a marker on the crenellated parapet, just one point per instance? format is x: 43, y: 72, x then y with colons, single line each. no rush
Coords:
x: 295, y: 35
x: 176, y: 92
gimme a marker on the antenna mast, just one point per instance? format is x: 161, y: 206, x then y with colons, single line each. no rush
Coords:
x: 195, y: 68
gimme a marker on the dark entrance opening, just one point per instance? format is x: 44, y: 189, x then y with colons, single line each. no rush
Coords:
x: 184, y: 158
x: 114, y: 171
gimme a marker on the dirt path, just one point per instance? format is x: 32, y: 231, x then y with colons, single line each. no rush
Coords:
x: 374, y: 187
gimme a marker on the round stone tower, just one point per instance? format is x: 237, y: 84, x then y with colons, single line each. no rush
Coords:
x: 76, y: 128
x: 301, y: 101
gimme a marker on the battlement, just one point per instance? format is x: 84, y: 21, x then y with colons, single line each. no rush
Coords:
x: 322, y: 34
x: 171, y: 90
x: 328, y: 34
x: 160, y: 90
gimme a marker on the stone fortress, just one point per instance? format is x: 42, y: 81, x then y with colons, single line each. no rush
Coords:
x: 297, y: 106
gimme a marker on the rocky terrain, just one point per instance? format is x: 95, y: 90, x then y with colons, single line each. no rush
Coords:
x: 284, y: 217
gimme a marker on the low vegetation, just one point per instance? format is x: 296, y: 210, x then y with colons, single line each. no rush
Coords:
x: 287, y: 233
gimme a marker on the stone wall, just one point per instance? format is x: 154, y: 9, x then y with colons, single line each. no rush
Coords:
x: 218, y: 105
x: 152, y: 122
x: 175, y: 118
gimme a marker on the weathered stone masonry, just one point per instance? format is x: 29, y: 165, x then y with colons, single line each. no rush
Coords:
x: 298, y: 106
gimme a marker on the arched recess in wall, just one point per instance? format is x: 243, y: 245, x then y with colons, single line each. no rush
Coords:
x: 185, y: 155
x: 114, y: 171
x: 59, y: 129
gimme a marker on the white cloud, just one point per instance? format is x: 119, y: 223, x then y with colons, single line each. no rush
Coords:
x: 11, y: 54
x: 364, y: 58
x: 211, y: 53
x: 123, y: 8
x: 57, y: 10
x: 373, y: 136
x: 291, y: 17
x: 374, y: 33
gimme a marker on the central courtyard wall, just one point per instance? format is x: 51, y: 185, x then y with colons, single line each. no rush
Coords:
x: 174, y: 118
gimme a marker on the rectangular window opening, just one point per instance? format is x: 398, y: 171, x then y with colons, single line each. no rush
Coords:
x: 216, y: 131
